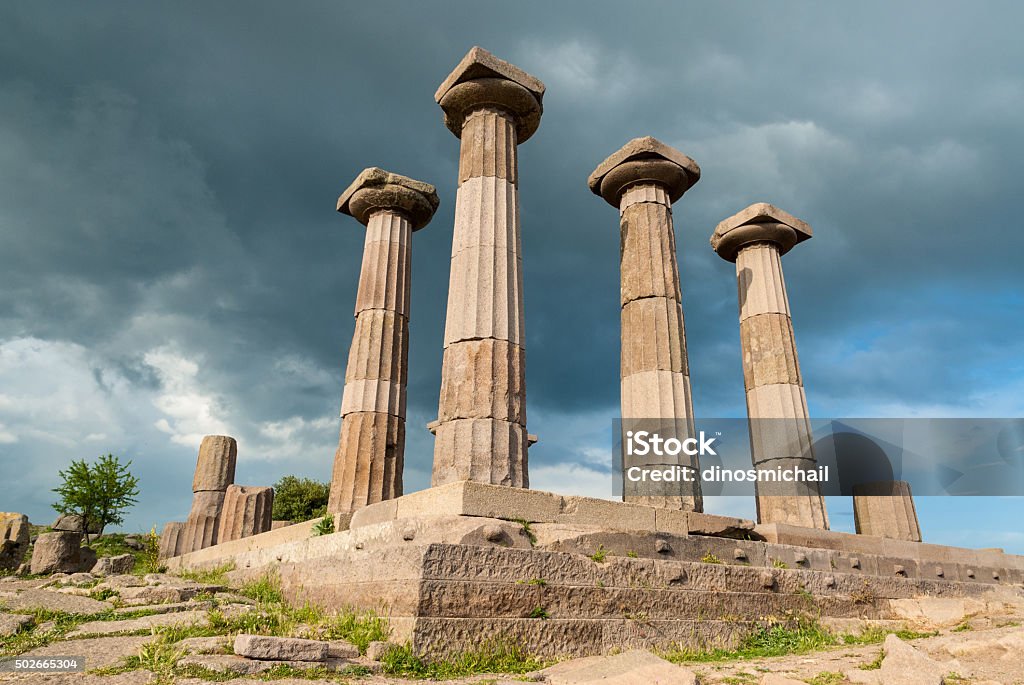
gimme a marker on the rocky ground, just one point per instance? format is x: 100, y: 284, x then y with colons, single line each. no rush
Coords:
x: 157, y: 628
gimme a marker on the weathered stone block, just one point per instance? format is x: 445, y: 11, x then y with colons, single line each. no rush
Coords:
x: 72, y: 523
x: 215, y: 467
x: 483, y: 379
x: 14, y: 539
x: 280, y: 648
x: 57, y: 552
x: 111, y: 566
x: 247, y: 511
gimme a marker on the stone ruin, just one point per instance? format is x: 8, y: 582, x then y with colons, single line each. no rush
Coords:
x: 479, y: 553
x: 221, y: 511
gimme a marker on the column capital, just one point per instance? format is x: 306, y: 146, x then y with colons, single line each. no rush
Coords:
x: 483, y: 80
x: 758, y: 223
x: 375, y: 189
x: 643, y: 160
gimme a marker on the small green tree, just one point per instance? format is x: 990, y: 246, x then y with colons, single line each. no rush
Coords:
x: 299, y: 499
x: 99, y: 492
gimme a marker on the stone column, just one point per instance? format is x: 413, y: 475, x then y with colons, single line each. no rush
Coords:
x: 480, y: 433
x: 371, y: 446
x: 780, y: 432
x: 247, y: 511
x: 886, y: 509
x: 215, y: 471
x: 642, y: 180
x: 170, y: 539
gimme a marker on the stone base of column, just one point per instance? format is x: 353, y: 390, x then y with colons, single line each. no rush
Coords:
x: 170, y: 539
x: 369, y: 460
x: 886, y: 509
x: 247, y: 511
x: 203, y: 522
x: 481, y: 450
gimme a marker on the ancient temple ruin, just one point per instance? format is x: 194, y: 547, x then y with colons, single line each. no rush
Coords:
x: 479, y: 552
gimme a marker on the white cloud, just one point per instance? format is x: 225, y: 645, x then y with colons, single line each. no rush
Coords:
x: 578, y: 68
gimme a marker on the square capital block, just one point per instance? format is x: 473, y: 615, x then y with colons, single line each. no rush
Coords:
x: 760, y: 222
x: 376, y: 189
x: 479, y: 63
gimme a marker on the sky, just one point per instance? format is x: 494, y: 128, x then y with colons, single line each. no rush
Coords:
x: 172, y: 265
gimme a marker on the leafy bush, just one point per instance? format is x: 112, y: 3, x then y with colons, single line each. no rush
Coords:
x: 299, y: 499
x: 99, y: 492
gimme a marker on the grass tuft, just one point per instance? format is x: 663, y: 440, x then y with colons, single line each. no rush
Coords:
x: 492, y: 656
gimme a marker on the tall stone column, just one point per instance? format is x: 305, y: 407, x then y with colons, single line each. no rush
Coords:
x: 643, y: 179
x: 371, y: 447
x: 886, y: 509
x: 780, y: 431
x: 215, y: 471
x: 480, y: 433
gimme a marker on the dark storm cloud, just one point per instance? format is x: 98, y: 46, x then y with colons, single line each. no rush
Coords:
x: 168, y: 175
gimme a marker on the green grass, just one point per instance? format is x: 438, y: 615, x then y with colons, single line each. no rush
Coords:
x: 876, y: 634
x: 492, y: 656
x: 63, y: 623
x: 539, y: 582
x: 800, y: 637
x: 600, y: 554
x: 324, y: 526
x: 963, y: 627
x: 527, y: 530
x: 875, y: 663
x: 827, y: 678
x: 710, y: 558
x: 779, y: 563
x: 540, y: 612
x: 218, y: 575
x: 271, y: 615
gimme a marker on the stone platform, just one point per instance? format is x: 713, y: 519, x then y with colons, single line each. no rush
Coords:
x: 579, y: 576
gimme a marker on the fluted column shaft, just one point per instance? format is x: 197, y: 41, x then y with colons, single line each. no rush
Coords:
x: 369, y: 459
x: 654, y: 369
x: 481, y: 429
x: 776, y: 403
x: 886, y: 509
